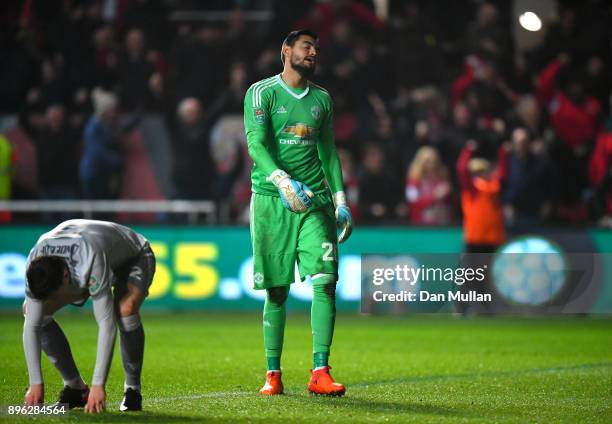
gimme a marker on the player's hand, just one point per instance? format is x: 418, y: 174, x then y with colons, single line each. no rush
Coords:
x: 35, y: 395
x: 96, y: 402
x: 295, y: 195
x: 344, y: 220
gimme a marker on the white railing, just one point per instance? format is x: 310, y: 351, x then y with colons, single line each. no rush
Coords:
x: 88, y: 207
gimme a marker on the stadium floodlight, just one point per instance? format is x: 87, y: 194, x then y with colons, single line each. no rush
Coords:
x: 530, y: 21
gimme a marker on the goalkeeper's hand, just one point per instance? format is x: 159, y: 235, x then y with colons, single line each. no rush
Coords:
x: 295, y: 195
x: 344, y: 220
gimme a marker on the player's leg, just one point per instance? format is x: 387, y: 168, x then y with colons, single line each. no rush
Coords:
x: 55, y: 345
x: 131, y: 343
x: 274, y: 318
x: 322, y: 317
x: 323, y: 320
x: 317, y: 256
x: 274, y: 238
x: 128, y: 300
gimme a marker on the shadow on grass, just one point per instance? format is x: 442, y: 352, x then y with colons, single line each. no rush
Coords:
x: 364, y: 405
x: 349, y: 406
x: 486, y: 374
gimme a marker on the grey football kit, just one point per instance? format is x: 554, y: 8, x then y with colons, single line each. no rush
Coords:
x: 100, y: 256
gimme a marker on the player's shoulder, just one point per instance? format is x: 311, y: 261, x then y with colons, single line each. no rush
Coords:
x: 259, y: 91
x: 262, y: 85
x: 316, y: 88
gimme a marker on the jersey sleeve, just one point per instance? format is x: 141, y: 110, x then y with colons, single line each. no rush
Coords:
x: 257, y: 128
x: 100, y: 275
x: 34, y: 310
x: 328, y: 154
x: 105, y: 317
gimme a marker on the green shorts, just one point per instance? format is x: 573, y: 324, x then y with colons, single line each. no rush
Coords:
x: 282, y: 238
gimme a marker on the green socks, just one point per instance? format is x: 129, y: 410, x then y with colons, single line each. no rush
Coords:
x: 274, y: 317
x: 273, y: 363
x: 320, y: 359
x: 323, y: 317
x: 322, y: 320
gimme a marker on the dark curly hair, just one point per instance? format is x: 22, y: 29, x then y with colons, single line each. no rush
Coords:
x: 45, y: 275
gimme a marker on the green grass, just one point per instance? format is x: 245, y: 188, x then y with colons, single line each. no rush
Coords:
x: 208, y: 367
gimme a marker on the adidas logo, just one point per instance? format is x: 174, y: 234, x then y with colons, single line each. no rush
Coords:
x: 281, y: 110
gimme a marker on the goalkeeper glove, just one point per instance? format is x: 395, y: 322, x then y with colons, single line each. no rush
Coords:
x: 344, y: 220
x: 294, y: 194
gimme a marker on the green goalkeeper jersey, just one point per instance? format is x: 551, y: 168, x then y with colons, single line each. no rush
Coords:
x: 292, y: 130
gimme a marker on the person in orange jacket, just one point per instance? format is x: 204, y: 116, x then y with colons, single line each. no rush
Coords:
x: 483, y: 221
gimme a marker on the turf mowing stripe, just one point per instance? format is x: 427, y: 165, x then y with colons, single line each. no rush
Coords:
x: 483, y: 374
x: 197, y: 396
x: 397, y: 381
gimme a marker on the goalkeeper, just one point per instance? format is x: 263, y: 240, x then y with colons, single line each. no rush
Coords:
x: 289, y: 128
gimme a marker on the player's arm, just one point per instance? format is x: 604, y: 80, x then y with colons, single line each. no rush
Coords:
x: 294, y: 194
x: 34, y: 311
x: 100, y: 290
x: 257, y: 127
x: 333, y: 174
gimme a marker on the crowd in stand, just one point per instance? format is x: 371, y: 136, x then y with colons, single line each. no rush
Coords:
x: 414, y: 92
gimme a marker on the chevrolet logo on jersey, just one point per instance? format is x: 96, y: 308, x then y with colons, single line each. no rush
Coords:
x: 302, y: 131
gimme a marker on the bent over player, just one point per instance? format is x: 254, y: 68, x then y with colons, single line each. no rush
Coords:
x: 76, y: 260
x: 289, y: 128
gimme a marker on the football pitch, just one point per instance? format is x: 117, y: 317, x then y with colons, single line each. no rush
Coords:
x: 203, y: 367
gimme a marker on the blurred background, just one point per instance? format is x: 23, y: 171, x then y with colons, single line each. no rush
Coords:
x: 123, y: 109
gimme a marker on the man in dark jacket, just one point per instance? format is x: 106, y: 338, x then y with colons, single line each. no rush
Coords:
x: 194, y: 169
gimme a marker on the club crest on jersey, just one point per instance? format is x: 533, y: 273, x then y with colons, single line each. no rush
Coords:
x: 315, y: 111
x: 259, y: 115
x: 94, y: 285
x: 258, y: 278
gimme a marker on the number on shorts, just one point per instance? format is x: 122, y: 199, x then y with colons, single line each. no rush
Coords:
x: 329, y: 253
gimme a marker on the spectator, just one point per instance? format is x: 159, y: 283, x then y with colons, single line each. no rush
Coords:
x: 428, y: 189
x: 562, y: 36
x: 480, y: 184
x: 323, y: 16
x: 231, y: 101
x: 529, y: 115
x: 378, y: 188
x: 600, y: 171
x: 194, y: 169
x: 412, y: 31
x: 573, y: 113
x: 191, y: 71
x: 488, y: 95
x: 486, y: 34
x: 102, y: 160
x: 527, y: 194
x: 483, y: 223
x: 7, y: 162
x: 57, y: 153
x: 136, y: 69
x: 456, y: 133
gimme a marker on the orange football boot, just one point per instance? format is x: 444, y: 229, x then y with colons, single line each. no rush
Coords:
x: 322, y: 383
x: 274, y: 384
